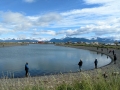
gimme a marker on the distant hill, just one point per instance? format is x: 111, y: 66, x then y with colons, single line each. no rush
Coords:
x: 67, y: 39
x: 102, y: 40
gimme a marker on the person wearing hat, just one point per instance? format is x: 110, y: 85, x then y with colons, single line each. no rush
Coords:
x: 96, y: 62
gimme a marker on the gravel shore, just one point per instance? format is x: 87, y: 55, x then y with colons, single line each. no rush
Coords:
x: 106, y: 68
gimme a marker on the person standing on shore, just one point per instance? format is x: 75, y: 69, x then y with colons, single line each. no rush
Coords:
x: 107, y: 49
x: 96, y: 62
x: 115, y: 58
x: 26, y: 69
x: 113, y: 52
x: 80, y: 64
x: 97, y: 48
x: 101, y: 49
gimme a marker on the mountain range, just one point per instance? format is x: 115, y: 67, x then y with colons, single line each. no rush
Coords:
x: 67, y: 39
x: 102, y: 40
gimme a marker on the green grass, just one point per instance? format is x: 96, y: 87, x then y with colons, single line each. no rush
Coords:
x: 4, y: 44
x: 95, y: 45
x: 70, y: 81
x: 89, y: 83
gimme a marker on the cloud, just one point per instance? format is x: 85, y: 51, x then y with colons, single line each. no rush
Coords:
x: 29, y: 1
x: 4, y: 30
x: 13, y: 17
x: 101, y: 29
x: 107, y: 9
x: 102, y: 20
x: 22, y: 22
x: 72, y: 32
x: 50, y: 32
x: 86, y: 16
x: 47, y: 19
x: 98, y: 1
x: 17, y: 20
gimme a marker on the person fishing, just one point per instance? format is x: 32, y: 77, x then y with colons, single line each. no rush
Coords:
x: 26, y: 69
x: 115, y: 58
x: 96, y: 62
x: 80, y: 64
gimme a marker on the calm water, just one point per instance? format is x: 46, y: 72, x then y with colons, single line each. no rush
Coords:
x: 46, y: 59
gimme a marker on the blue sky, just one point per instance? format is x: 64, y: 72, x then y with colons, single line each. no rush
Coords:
x: 47, y: 19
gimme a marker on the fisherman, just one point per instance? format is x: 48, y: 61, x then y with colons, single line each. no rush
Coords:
x: 96, y: 62
x: 26, y: 69
x: 80, y: 64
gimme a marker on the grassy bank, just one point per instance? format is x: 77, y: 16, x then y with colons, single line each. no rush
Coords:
x: 99, y: 82
x: 81, y: 81
x: 93, y: 45
x: 6, y: 44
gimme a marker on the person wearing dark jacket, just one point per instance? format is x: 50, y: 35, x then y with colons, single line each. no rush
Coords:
x: 26, y: 69
x: 113, y: 52
x: 80, y: 64
x: 96, y: 62
x: 115, y: 58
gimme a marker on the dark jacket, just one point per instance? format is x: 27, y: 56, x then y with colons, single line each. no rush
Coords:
x: 26, y: 67
x: 95, y: 61
x: 115, y: 58
x: 80, y: 63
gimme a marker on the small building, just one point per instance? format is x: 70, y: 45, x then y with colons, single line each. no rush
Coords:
x: 40, y: 42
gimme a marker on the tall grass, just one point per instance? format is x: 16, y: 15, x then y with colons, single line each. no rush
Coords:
x: 112, y: 82
x: 70, y: 81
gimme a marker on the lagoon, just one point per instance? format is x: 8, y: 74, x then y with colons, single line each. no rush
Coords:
x: 46, y: 59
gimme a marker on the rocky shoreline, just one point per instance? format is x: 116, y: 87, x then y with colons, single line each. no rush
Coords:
x: 106, y: 52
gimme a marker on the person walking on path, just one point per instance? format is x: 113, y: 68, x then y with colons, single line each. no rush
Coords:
x: 96, y: 62
x: 80, y: 64
x: 26, y: 69
x: 115, y: 58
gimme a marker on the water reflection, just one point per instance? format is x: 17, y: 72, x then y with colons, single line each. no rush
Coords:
x: 47, y: 59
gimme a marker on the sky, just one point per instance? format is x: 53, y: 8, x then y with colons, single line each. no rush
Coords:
x: 47, y: 19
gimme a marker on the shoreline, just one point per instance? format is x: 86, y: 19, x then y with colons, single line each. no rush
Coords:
x: 91, y: 49
x: 109, y: 65
x: 92, y: 72
x: 7, y: 44
x: 51, y: 81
